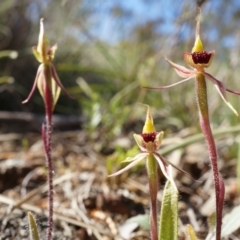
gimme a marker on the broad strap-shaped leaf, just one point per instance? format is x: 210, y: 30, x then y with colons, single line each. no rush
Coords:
x: 168, y: 228
x: 33, y: 229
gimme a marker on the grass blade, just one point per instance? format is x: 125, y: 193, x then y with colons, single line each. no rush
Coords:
x: 191, y: 233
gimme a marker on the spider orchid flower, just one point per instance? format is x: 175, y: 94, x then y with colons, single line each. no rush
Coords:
x: 198, y: 60
x: 47, y: 80
x: 149, y: 143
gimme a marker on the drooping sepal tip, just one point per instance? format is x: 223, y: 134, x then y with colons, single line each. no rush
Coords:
x: 41, y: 48
x: 198, y: 45
x: 43, y: 45
x: 149, y: 125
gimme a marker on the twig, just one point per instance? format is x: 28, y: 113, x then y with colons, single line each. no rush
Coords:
x: 57, y: 216
x: 41, y: 189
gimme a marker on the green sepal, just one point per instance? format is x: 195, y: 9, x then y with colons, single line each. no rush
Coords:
x: 36, y: 54
x: 198, y: 45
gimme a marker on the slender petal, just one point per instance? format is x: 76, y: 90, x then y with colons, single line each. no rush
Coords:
x: 131, y: 159
x: 134, y: 162
x: 34, y: 85
x: 166, y: 170
x: 221, y: 89
x: 173, y: 165
x: 172, y: 85
x: 182, y: 71
x: 225, y: 100
x: 232, y: 91
x: 57, y: 80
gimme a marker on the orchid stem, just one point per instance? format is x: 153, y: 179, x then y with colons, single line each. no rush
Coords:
x: 47, y: 140
x: 50, y: 178
x: 201, y: 90
x: 152, y: 169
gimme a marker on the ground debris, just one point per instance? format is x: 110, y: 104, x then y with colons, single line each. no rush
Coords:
x: 87, y: 204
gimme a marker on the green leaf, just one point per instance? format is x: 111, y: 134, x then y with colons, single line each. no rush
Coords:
x: 168, y: 228
x: 212, y: 222
x: 33, y: 229
x: 238, y: 167
x: 132, y: 223
x: 142, y: 220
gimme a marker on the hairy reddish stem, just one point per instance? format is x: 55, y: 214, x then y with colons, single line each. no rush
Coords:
x: 152, y: 169
x: 47, y: 139
x: 50, y: 177
x: 201, y: 90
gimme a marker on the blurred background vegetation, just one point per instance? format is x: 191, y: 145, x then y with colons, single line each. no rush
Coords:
x: 108, y: 49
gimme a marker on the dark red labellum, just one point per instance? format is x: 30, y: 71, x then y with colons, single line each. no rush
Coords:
x: 149, y: 137
x: 201, y: 57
